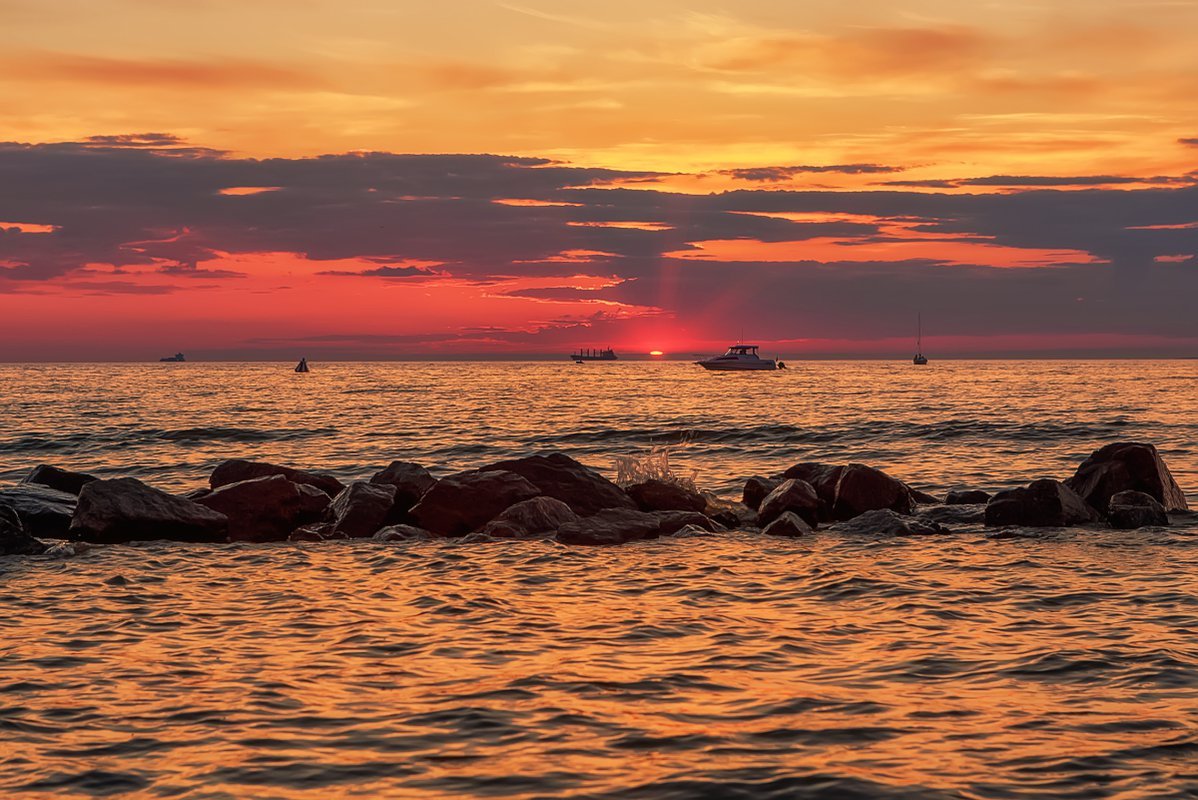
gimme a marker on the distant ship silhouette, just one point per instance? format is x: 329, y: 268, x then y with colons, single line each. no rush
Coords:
x: 302, y: 366
x: 594, y: 355
x: 175, y: 357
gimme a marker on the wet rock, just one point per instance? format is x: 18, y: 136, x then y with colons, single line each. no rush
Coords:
x: 196, y: 494
x: 315, y: 532
x: 461, y: 503
x: 401, y: 533
x: 558, y: 476
x: 853, y: 489
x: 68, y: 549
x: 62, y: 480
x: 238, y: 469
x: 622, y: 525
x: 655, y: 495
x: 923, y: 498
x: 885, y: 522
x: 361, y: 509
x: 14, y: 540
x: 1042, y: 504
x: 1125, y: 466
x: 44, y: 512
x: 670, y: 522
x: 530, y: 519
x: 861, y: 488
x: 966, y: 497
x: 791, y: 495
x: 126, y: 510
x: 757, y: 489
x: 266, y: 509
x: 956, y: 515
x: 1131, y: 509
x: 734, y: 516
x: 410, y: 480
x: 787, y: 524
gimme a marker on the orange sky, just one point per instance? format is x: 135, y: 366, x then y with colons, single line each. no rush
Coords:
x: 927, y: 97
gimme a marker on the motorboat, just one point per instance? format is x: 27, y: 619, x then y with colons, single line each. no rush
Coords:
x: 739, y: 357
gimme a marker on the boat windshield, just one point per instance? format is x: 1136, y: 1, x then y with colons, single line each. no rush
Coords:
x: 742, y: 350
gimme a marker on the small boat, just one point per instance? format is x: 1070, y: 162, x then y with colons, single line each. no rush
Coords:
x: 302, y: 366
x: 177, y: 357
x: 594, y: 355
x: 920, y: 359
x: 738, y: 357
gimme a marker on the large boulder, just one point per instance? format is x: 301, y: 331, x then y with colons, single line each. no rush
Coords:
x: 656, y: 495
x: 622, y: 525
x: 756, y: 489
x: 266, y: 509
x: 1041, y: 504
x: 14, y: 540
x: 62, y: 480
x: 558, y: 476
x: 410, y: 480
x: 362, y: 509
x: 787, y: 524
x: 966, y: 497
x: 791, y: 495
x: 238, y: 469
x: 1125, y: 466
x: 885, y: 522
x: 530, y: 519
x: 1132, y: 509
x: 126, y: 510
x: 461, y: 503
x: 851, y: 489
x: 44, y: 512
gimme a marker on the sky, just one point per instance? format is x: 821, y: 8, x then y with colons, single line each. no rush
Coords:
x: 378, y: 179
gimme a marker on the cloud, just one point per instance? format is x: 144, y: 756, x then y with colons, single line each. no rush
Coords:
x: 1188, y: 142
x: 776, y: 174
x: 842, y: 263
x: 217, y: 75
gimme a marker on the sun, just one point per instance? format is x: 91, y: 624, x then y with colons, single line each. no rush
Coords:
x: 656, y: 353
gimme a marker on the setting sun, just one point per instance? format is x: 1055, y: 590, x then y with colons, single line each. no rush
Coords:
x: 656, y: 353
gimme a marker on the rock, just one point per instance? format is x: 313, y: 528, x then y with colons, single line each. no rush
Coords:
x: 126, y: 510
x: 196, y: 494
x: 1126, y: 466
x: 361, y: 509
x: 14, y: 541
x: 1131, y: 509
x: 670, y: 522
x: 461, y: 503
x: 853, y: 489
x: 528, y: 518
x: 611, y: 526
x: 238, y: 469
x: 1042, y: 504
x: 62, y: 480
x: 788, y: 524
x: 793, y: 495
x: 734, y: 516
x: 885, y: 522
x: 756, y: 490
x: 955, y: 515
x: 966, y: 497
x: 861, y: 488
x: 266, y: 509
x: 622, y: 525
x: 44, y: 512
x: 558, y: 476
x: 401, y: 533
x: 923, y: 498
x: 315, y: 532
x: 655, y: 495
x: 410, y: 480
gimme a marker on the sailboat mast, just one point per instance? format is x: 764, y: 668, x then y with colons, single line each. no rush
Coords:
x: 919, y: 332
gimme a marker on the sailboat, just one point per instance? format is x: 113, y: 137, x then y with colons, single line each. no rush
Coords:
x: 920, y: 359
x: 302, y: 366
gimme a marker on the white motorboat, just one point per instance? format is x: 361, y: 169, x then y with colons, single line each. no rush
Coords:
x: 739, y: 357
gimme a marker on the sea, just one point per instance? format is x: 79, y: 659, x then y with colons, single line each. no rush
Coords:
x: 1057, y: 663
